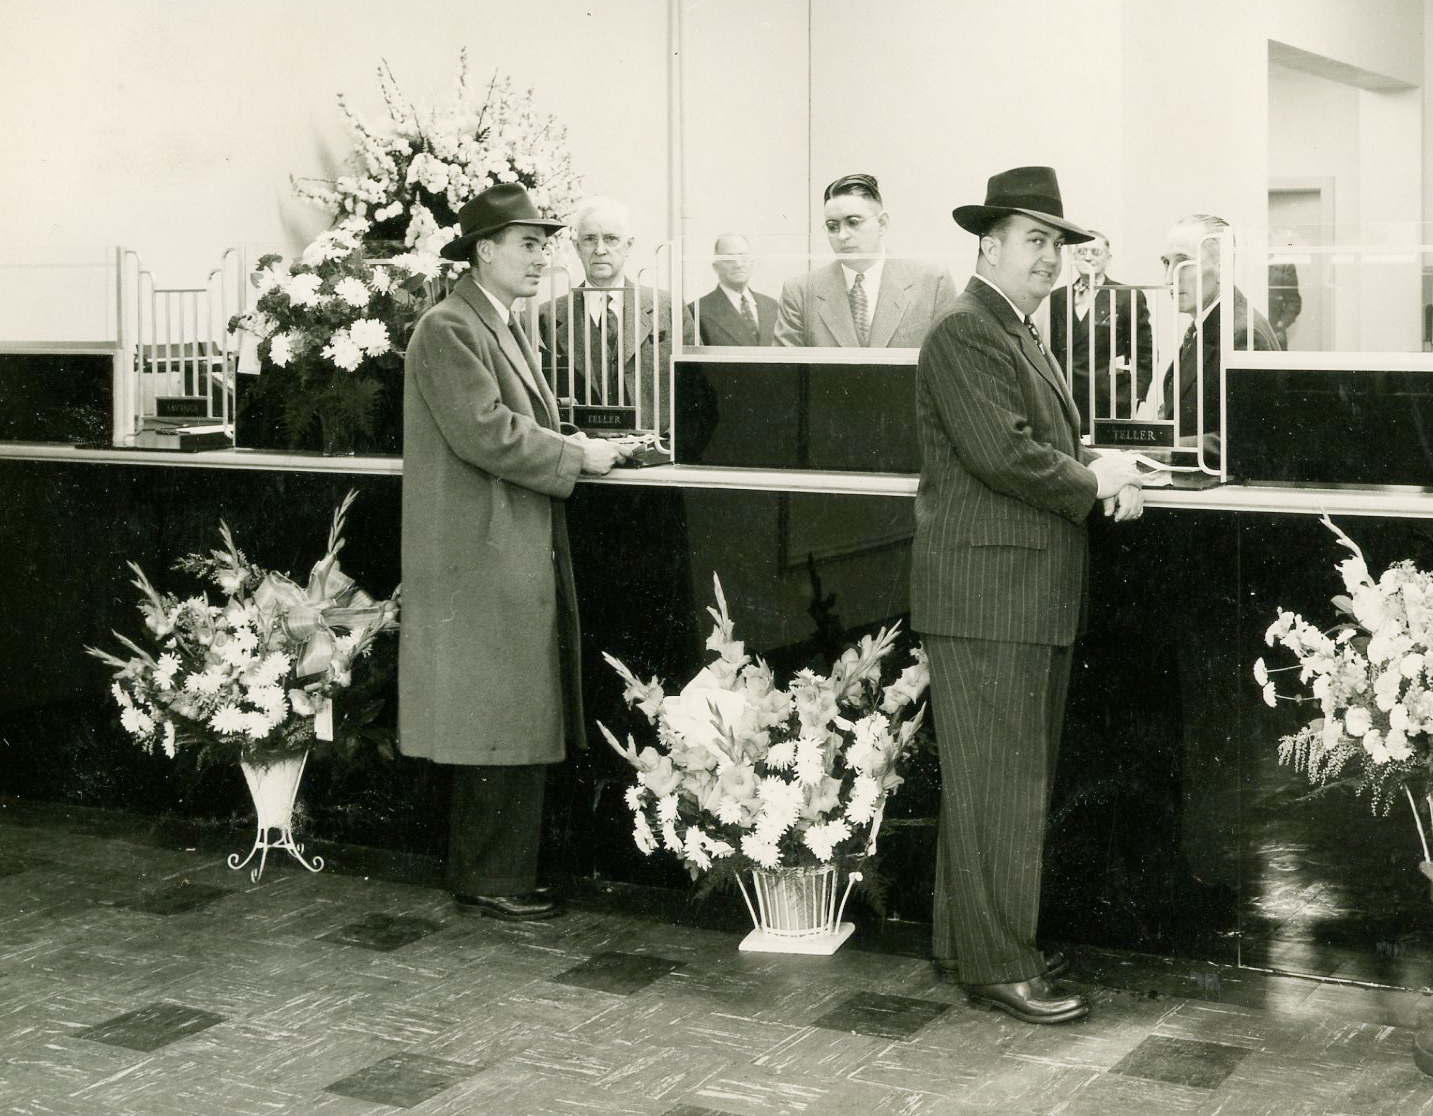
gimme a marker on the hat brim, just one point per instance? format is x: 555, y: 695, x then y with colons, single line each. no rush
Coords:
x: 977, y: 219
x: 460, y: 249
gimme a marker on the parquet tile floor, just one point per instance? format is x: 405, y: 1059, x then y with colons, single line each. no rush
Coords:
x: 144, y: 980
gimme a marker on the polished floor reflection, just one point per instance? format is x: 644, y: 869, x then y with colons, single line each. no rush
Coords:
x: 138, y: 975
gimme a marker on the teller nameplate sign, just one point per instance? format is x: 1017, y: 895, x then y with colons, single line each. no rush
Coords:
x: 1134, y: 433
x: 592, y: 419
x: 181, y: 406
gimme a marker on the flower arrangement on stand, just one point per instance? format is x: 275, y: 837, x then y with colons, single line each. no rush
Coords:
x: 253, y: 679
x: 786, y: 785
x: 330, y: 332
x: 1371, y: 674
x: 408, y: 177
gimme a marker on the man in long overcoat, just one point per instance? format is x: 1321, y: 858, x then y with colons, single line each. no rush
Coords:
x: 487, y: 661
x: 997, y: 584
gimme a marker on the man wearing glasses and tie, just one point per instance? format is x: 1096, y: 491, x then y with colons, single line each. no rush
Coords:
x: 866, y: 298
x: 611, y: 329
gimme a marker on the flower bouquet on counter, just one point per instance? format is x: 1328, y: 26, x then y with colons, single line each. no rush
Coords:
x: 785, y: 783
x: 1371, y: 674
x: 327, y: 334
x: 251, y: 678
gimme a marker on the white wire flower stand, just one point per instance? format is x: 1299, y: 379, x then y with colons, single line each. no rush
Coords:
x: 796, y: 910
x: 273, y: 787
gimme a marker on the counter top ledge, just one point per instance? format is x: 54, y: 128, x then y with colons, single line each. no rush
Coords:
x: 1399, y: 501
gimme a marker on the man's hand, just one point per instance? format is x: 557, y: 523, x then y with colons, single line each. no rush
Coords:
x: 1114, y: 471
x: 1126, y: 504
x: 598, y: 454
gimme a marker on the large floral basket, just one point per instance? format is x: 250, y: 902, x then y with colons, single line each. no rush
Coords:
x: 780, y: 789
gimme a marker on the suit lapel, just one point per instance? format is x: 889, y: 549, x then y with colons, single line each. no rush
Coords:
x: 891, y: 305
x: 1035, y: 355
x: 522, y: 362
x: 834, y: 305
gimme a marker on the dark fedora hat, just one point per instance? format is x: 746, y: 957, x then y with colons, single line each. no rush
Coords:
x: 1032, y: 191
x: 495, y: 208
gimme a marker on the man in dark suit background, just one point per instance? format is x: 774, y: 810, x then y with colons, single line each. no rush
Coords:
x: 998, y: 570
x: 732, y: 313
x: 1192, y: 267
x: 866, y: 298
x: 1088, y: 306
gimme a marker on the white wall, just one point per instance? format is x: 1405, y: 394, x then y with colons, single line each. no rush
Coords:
x: 173, y: 127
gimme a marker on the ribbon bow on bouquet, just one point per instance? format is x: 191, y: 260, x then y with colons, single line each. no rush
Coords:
x: 309, y: 616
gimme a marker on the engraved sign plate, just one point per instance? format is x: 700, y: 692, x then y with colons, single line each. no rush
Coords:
x: 604, y: 420
x: 181, y: 406
x: 1134, y: 434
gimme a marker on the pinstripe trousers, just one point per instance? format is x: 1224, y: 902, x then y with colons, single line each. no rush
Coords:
x: 999, y: 709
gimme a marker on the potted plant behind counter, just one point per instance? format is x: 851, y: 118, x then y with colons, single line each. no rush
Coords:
x: 329, y: 333
x: 786, y: 786
x: 253, y: 679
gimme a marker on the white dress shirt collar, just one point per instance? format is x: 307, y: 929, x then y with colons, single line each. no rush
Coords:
x: 1018, y: 312
x: 871, y: 283
x: 504, y: 312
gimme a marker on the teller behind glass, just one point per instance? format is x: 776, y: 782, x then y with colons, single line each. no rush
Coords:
x: 1119, y: 324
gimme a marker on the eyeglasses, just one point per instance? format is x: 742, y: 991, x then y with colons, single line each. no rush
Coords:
x: 607, y: 240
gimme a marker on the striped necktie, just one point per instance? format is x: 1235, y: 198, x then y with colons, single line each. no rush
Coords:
x: 859, y: 313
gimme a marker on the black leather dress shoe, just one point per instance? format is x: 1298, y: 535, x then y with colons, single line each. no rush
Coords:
x: 1031, y: 1001
x: 1056, y: 964
x: 510, y: 908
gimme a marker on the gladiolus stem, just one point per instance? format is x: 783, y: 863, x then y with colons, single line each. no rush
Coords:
x: 1418, y: 820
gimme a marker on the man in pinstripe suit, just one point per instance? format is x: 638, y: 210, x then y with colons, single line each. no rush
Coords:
x: 997, y: 586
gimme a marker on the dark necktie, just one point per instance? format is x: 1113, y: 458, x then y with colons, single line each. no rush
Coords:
x: 1035, y: 333
x: 858, y: 310
x: 1188, y: 337
x: 747, y: 314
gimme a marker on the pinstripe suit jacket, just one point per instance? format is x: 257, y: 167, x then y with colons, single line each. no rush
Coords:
x: 1000, y: 546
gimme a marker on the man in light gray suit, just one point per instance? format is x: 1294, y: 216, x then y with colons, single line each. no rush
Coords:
x: 998, y: 570
x: 866, y: 298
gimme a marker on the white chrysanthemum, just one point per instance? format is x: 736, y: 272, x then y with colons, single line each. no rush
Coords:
x: 810, y: 761
x: 781, y: 755
x: 352, y: 290
x: 168, y: 741
x: 166, y: 668
x: 257, y: 725
x: 667, y: 808
x: 728, y: 810
x: 343, y: 352
x: 1358, y: 721
x: 303, y: 289
x: 270, y: 670
x: 865, y: 793
x: 764, y: 853
x: 370, y: 335
x: 227, y: 719
x: 694, y: 848
x: 636, y: 795
x: 382, y: 281
x: 135, y: 721
x: 206, y: 681
x: 281, y: 349
x: 823, y: 839
x: 271, y: 700
x: 120, y: 695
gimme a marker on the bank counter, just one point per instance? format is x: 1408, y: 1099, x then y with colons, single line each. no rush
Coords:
x: 1173, y: 830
